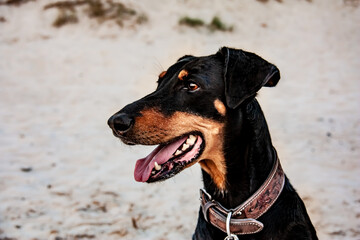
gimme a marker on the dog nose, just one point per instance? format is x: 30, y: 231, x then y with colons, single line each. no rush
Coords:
x: 120, y: 122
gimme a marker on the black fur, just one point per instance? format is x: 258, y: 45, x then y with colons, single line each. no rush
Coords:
x: 232, y: 76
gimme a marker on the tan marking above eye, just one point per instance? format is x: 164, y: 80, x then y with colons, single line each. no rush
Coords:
x: 162, y: 74
x: 183, y: 73
x: 220, y: 107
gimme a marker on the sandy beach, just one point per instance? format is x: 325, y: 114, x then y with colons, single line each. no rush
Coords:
x: 64, y: 176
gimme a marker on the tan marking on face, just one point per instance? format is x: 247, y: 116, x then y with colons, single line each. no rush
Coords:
x: 154, y: 128
x: 216, y: 170
x: 183, y: 73
x: 162, y: 74
x: 220, y: 107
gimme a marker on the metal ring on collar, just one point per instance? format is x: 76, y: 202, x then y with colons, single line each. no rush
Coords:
x: 230, y: 236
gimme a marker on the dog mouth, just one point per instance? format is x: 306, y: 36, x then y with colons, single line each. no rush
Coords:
x: 168, y: 159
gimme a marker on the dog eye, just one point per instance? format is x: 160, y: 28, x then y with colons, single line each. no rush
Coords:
x: 192, y: 86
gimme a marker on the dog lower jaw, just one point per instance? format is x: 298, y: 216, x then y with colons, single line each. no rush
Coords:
x: 167, y: 160
x: 210, y: 158
x: 176, y: 165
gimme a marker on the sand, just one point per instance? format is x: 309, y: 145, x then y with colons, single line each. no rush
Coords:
x: 64, y: 176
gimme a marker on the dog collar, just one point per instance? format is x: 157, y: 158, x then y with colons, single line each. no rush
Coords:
x: 242, y: 219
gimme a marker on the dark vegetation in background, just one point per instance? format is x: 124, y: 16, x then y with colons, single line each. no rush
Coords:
x: 216, y: 24
x: 15, y: 2
x: 120, y: 14
x: 95, y: 9
x: 354, y: 3
x: 191, y: 22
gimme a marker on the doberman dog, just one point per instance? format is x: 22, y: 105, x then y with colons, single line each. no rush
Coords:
x: 204, y: 111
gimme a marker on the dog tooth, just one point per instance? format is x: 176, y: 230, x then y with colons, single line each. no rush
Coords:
x: 157, y: 166
x: 191, y: 140
x: 153, y: 172
x: 178, y: 152
x: 185, y: 146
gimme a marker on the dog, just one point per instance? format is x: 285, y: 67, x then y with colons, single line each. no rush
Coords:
x: 204, y: 110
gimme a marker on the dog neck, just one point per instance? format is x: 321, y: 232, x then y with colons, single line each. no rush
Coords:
x: 249, y: 160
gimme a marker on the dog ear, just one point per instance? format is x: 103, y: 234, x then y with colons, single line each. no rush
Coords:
x: 244, y: 74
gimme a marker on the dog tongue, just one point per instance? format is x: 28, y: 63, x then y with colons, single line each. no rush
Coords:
x: 161, y: 154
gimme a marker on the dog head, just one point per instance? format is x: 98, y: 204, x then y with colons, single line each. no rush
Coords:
x: 187, y: 114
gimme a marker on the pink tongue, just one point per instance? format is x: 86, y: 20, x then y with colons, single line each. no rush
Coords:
x: 161, y: 154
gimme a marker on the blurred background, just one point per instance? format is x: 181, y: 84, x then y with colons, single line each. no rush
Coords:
x: 67, y: 66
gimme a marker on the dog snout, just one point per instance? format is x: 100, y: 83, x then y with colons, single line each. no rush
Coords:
x: 120, y: 123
